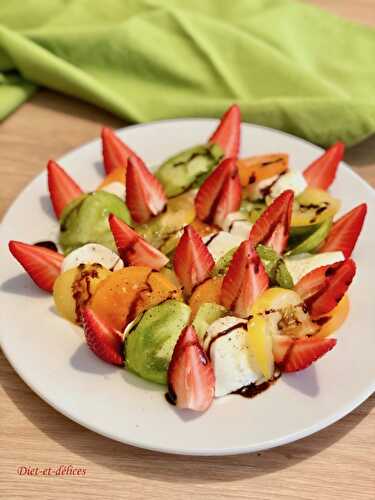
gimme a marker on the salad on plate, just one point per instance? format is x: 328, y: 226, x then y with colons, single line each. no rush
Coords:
x: 212, y: 276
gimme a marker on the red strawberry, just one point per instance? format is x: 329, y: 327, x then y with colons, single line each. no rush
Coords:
x: 42, y: 264
x: 192, y: 261
x: 323, y: 288
x: 133, y: 249
x: 115, y: 152
x: 103, y: 340
x: 228, y: 133
x: 322, y: 172
x: 281, y: 345
x: 244, y: 281
x: 272, y: 227
x: 191, y: 379
x: 345, y: 231
x: 62, y: 188
x: 305, y: 351
x: 145, y: 195
x: 220, y: 193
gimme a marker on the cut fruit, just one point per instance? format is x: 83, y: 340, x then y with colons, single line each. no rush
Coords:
x: 258, y: 168
x: 202, y: 228
x: 191, y: 379
x: 272, y: 227
x: 115, y: 299
x: 281, y: 345
x: 334, y: 319
x: 244, y: 281
x: 323, y: 288
x: 145, y: 195
x: 103, y: 341
x: 74, y: 289
x: 305, y: 351
x: 229, y: 200
x: 322, y: 172
x: 312, y: 242
x: 116, y: 175
x: 132, y: 248
x: 115, y: 152
x: 228, y: 133
x: 314, y: 206
x: 345, y: 231
x: 192, y: 261
x: 260, y: 344
x: 180, y: 212
x: 42, y: 264
x: 209, y: 291
x: 62, y: 188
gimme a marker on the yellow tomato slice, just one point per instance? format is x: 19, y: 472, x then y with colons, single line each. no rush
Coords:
x: 336, y: 317
x: 260, y: 344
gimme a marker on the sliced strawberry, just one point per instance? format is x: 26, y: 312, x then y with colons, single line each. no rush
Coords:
x: 42, y: 264
x: 103, y: 340
x: 191, y: 379
x: 305, y: 351
x: 192, y: 261
x: 323, y: 288
x: 62, y: 188
x: 322, y: 172
x: 272, y: 227
x: 133, y: 249
x: 345, y: 232
x: 220, y: 192
x: 228, y: 133
x: 145, y: 195
x: 115, y: 152
x: 244, y: 281
x: 281, y: 345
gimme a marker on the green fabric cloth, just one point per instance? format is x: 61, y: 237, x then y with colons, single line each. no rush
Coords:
x: 287, y: 64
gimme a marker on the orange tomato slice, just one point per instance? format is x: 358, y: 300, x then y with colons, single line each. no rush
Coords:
x: 334, y: 319
x: 258, y: 168
x: 117, y: 175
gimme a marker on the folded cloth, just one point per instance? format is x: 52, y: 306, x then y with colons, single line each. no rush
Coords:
x: 287, y: 64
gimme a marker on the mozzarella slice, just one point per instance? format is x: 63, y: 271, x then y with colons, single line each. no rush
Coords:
x: 116, y: 188
x: 220, y: 243
x: 92, y: 253
x: 291, y: 180
x: 299, y: 265
x: 238, y: 224
x: 232, y: 361
x: 255, y: 191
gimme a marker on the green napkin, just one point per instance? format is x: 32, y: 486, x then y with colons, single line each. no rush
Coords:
x: 287, y: 64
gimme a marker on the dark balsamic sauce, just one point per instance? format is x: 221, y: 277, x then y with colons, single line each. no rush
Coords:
x: 211, y: 239
x: 252, y: 390
x: 47, y: 244
x: 221, y: 334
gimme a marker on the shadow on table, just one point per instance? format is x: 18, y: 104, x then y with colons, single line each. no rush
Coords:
x: 158, y: 466
x: 361, y: 154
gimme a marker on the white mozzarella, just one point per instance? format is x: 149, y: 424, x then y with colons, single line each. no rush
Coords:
x: 238, y: 224
x: 92, y: 253
x: 233, y: 364
x: 290, y: 180
x: 220, y: 243
x: 255, y: 190
x: 299, y: 265
x: 116, y: 188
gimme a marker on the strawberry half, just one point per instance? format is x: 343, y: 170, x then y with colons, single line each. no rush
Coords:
x: 345, y: 232
x: 115, y: 152
x: 322, y: 172
x: 103, y: 340
x: 145, y: 195
x: 281, y: 345
x: 244, y: 281
x: 42, y: 264
x: 62, y: 188
x: 228, y: 133
x: 305, y: 351
x: 132, y: 248
x: 219, y: 194
x: 192, y: 261
x: 272, y: 227
x: 323, y: 288
x: 191, y: 379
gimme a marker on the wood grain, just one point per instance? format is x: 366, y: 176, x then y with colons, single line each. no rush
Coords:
x: 336, y: 462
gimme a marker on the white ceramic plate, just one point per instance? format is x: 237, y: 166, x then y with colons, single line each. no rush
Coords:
x: 52, y: 358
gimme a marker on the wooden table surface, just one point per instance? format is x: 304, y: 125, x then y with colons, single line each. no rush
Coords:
x: 336, y: 462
